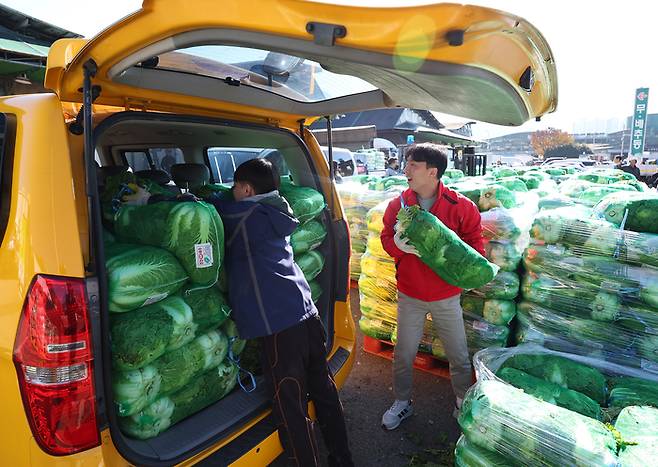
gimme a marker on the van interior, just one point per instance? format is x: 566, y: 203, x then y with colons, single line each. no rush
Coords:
x: 150, y: 144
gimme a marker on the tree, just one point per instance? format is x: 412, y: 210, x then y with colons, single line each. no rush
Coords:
x: 543, y: 140
x: 567, y: 150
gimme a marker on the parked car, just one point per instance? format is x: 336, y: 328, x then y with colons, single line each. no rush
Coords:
x: 203, y: 81
x: 563, y: 162
x: 344, y: 158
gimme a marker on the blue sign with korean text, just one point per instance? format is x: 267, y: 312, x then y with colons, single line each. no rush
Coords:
x: 638, y: 129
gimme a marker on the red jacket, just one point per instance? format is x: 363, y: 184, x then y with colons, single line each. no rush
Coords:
x: 414, y: 277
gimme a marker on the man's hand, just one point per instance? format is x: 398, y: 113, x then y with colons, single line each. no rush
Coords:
x: 403, y: 244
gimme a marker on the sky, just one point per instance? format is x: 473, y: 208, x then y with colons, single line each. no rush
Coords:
x: 603, y: 50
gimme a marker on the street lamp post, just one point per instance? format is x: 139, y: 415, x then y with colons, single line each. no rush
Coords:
x: 621, y: 152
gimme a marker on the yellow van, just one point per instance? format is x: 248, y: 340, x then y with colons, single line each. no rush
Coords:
x: 210, y: 83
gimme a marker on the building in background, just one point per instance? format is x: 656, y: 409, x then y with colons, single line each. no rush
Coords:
x: 24, y: 44
x: 359, y: 129
x: 602, y: 144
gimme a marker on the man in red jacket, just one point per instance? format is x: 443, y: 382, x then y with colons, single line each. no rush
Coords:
x: 421, y: 290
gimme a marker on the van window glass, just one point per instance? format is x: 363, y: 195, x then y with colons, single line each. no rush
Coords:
x: 7, y: 135
x: 224, y: 161
x: 296, y: 78
x: 153, y: 158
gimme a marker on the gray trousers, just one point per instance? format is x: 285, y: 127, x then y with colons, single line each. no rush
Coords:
x: 449, y: 325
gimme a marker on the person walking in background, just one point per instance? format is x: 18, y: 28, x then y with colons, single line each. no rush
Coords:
x: 632, y: 168
x: 617, y: 162
x: 421, y: 290
x: 392, y: 167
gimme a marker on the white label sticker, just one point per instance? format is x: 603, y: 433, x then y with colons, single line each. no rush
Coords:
x: 480, y: 326
x: 558, y: 250
x: 203, y: 255
x: 155, y: 298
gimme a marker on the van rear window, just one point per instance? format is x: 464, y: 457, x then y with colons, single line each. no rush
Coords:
x: 153, y: 158
x: 223, y: 161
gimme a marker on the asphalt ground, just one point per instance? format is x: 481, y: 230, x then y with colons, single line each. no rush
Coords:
x: 427, y: 438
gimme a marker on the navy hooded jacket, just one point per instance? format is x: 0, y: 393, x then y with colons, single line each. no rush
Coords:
x: 267, y: 290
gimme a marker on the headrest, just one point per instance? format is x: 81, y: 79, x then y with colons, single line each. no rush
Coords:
x: 190, y: 175
x: 158, y: 176
x: 108, y: 171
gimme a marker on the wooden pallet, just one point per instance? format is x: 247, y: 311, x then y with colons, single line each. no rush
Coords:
x: 423, y: 362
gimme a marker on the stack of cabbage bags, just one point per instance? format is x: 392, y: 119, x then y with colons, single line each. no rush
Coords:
x: 591, y: 186
x: 376, y: 160
x: 168, y: 319
x: 307, y: 206
x: 164, y: 351
x: 504, y: 187
x: 533, y: 406
x: 358, y: 195
x: 377, y: 283
x: 590, y: 284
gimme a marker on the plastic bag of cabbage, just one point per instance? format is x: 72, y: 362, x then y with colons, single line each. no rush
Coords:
x: 589, y: 385
x: 499, y: 312
x: 505, y: 420
x: 622, y: 342
x: 203, y: 391
x: 135, y: 389
x: 376, y: 328
x: 626, y: 284
x: 140, y: 275
x: 307, y: 237
x: 191, y: 231
x: 139, y: 337
x: 585, y: 235
x: 580, y: 300
x: 443, y: 251
x: 637, y: 212
x: 468, y: 454
x: 504, y: 286
x: 311, y: 264
x: 139, y: 393
x: 305, y: 202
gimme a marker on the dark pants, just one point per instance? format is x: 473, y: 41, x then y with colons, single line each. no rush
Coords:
x: 295, y: 367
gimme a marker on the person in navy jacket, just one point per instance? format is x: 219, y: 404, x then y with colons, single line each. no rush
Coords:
x: 271, y: 301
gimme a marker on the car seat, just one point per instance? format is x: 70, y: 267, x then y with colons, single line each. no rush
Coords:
x: 190, y: 176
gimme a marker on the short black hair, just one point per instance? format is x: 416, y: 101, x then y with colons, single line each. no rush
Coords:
x: 260, y: 174
x: 429, y: 153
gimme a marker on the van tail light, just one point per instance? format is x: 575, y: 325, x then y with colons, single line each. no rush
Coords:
x: 54, y: 362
